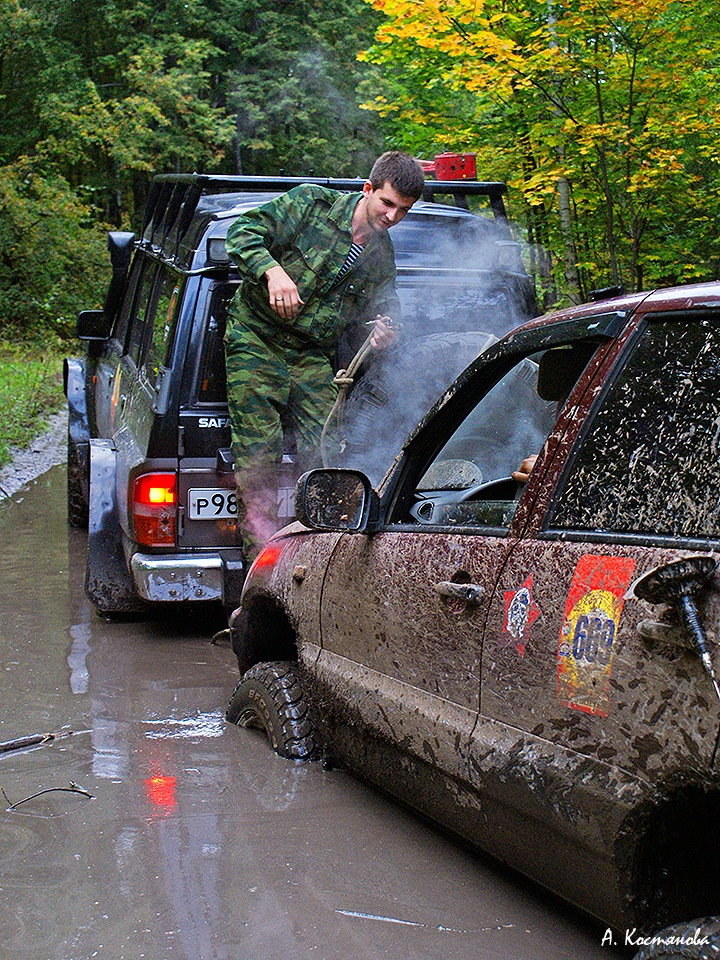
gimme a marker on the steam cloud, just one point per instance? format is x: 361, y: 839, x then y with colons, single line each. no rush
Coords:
x: 466, y: 295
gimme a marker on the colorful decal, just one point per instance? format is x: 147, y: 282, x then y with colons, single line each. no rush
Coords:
x: 115, y: 396
x: 520, y: 614
x: 589, y: 629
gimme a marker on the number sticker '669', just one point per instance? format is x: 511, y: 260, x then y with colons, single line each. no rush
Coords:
x: 211, y: 503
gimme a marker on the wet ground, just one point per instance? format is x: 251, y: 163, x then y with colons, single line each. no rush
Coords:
x: 197, y: 842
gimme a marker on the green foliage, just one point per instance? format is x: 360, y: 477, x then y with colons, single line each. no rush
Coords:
x: 292, y: 82
x: 602, y: 115
x: 30, y: 388
x: 52, y: 256
x: 120, y: 90
x: 98, y: 95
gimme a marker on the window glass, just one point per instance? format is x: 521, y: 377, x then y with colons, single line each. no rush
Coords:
x: 469, y: 482
x: 163, y: 316
x: 649, y: 461
x: 127, y: 309
x: 138, y: 324
x: 211, y: 385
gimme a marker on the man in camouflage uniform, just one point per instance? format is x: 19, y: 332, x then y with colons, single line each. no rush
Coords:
x: 314, y: 263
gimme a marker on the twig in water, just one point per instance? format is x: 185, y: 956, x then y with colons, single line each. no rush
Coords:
x: 73, y: 788
x: 23, y: 742
x: 35, y: 740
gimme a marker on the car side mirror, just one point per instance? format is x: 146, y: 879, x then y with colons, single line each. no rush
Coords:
x: 93, y: 325
x: 336, y: 499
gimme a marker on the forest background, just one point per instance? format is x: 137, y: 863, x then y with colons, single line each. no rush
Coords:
x: 602, y: 116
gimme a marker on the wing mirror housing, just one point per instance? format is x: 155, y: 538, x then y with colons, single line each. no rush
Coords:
x: 336, y: 499
x: 93, y: 325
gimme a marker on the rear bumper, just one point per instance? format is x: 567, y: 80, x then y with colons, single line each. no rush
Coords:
x: 176, y: 578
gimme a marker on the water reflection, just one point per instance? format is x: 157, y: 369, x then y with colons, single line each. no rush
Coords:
x: 201, y: 844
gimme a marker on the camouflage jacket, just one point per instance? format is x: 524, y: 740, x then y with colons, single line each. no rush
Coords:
x: 308, y: 231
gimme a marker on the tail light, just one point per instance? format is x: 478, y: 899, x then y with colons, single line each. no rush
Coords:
x: 268, y: 557
x: 155, y: 509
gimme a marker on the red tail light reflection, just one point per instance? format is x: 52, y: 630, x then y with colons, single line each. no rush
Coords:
x: 161, y: 792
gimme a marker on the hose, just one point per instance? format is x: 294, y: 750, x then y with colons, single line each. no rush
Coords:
x: 344, y: 379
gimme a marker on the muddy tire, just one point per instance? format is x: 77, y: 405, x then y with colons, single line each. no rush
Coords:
x: 270, y: 697
x: 695, y: 940
x: 387, y: 402
x: 77, y: 505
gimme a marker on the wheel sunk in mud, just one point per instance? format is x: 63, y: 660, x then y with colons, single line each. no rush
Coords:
x: 270, y: 697
x: 696, y: 940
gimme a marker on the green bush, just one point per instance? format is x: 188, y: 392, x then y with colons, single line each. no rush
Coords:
x: 30, y: 389
x: 54, y: 261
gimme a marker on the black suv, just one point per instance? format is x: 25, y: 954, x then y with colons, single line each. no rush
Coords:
x: 149, y: 467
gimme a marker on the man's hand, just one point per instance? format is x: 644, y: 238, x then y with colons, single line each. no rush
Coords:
x: 283, y: 294
x: 383, y: 334
x: 522, y: 474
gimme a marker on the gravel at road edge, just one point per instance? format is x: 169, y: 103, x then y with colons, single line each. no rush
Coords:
x: 47, y: 450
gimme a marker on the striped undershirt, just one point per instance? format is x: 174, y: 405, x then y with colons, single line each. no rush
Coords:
x: 355, y: 250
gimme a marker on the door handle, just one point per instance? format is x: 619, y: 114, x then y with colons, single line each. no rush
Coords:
x: 470, y: 593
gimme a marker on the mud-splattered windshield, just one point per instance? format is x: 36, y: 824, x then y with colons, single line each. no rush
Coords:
x: 650, y: 461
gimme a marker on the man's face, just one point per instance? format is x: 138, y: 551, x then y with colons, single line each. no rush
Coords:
x: 385, y: 206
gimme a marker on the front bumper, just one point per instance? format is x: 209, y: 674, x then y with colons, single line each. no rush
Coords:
x: 176, y: 578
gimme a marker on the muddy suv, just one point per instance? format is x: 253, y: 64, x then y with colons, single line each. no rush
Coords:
x: 528, y: 656
x: 149, y: 467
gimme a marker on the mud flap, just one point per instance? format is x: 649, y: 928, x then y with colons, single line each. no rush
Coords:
x: 108, y: 583
x: 78, y: 442
x: 74, y: 387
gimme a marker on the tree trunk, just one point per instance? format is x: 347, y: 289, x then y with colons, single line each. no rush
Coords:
x: 572, y: 276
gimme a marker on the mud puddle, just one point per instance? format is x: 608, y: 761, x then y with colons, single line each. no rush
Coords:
x: 197, y: 842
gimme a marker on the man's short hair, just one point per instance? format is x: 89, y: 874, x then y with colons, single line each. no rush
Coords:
x: 401, y: 171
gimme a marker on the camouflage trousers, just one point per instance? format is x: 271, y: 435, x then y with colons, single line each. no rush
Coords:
x: 272, y: 387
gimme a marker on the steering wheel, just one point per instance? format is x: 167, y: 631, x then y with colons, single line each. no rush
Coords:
x: 504, y: 488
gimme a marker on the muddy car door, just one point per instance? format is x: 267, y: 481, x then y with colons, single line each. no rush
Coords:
x: 404, y: 609
x: 580, y: 671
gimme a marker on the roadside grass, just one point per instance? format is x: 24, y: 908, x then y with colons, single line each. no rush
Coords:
x: 30, y: 391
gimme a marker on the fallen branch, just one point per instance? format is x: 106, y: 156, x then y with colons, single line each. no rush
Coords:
x: 23, y: 742
x: 73, y: 788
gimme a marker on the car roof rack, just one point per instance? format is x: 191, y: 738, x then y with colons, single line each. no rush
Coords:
x: 173, y: 198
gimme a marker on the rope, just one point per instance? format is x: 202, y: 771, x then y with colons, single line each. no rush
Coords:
x: 344, y: 379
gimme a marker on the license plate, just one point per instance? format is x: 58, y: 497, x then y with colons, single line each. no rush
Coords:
x: 212, y: 503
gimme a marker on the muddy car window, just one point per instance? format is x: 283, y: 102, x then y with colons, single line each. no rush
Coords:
x: 163, y: 317
x: 138, y: 324
x: 469, y: 482
x: 648, y: 463
x: 211, y: 383
x: 127, y: 311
